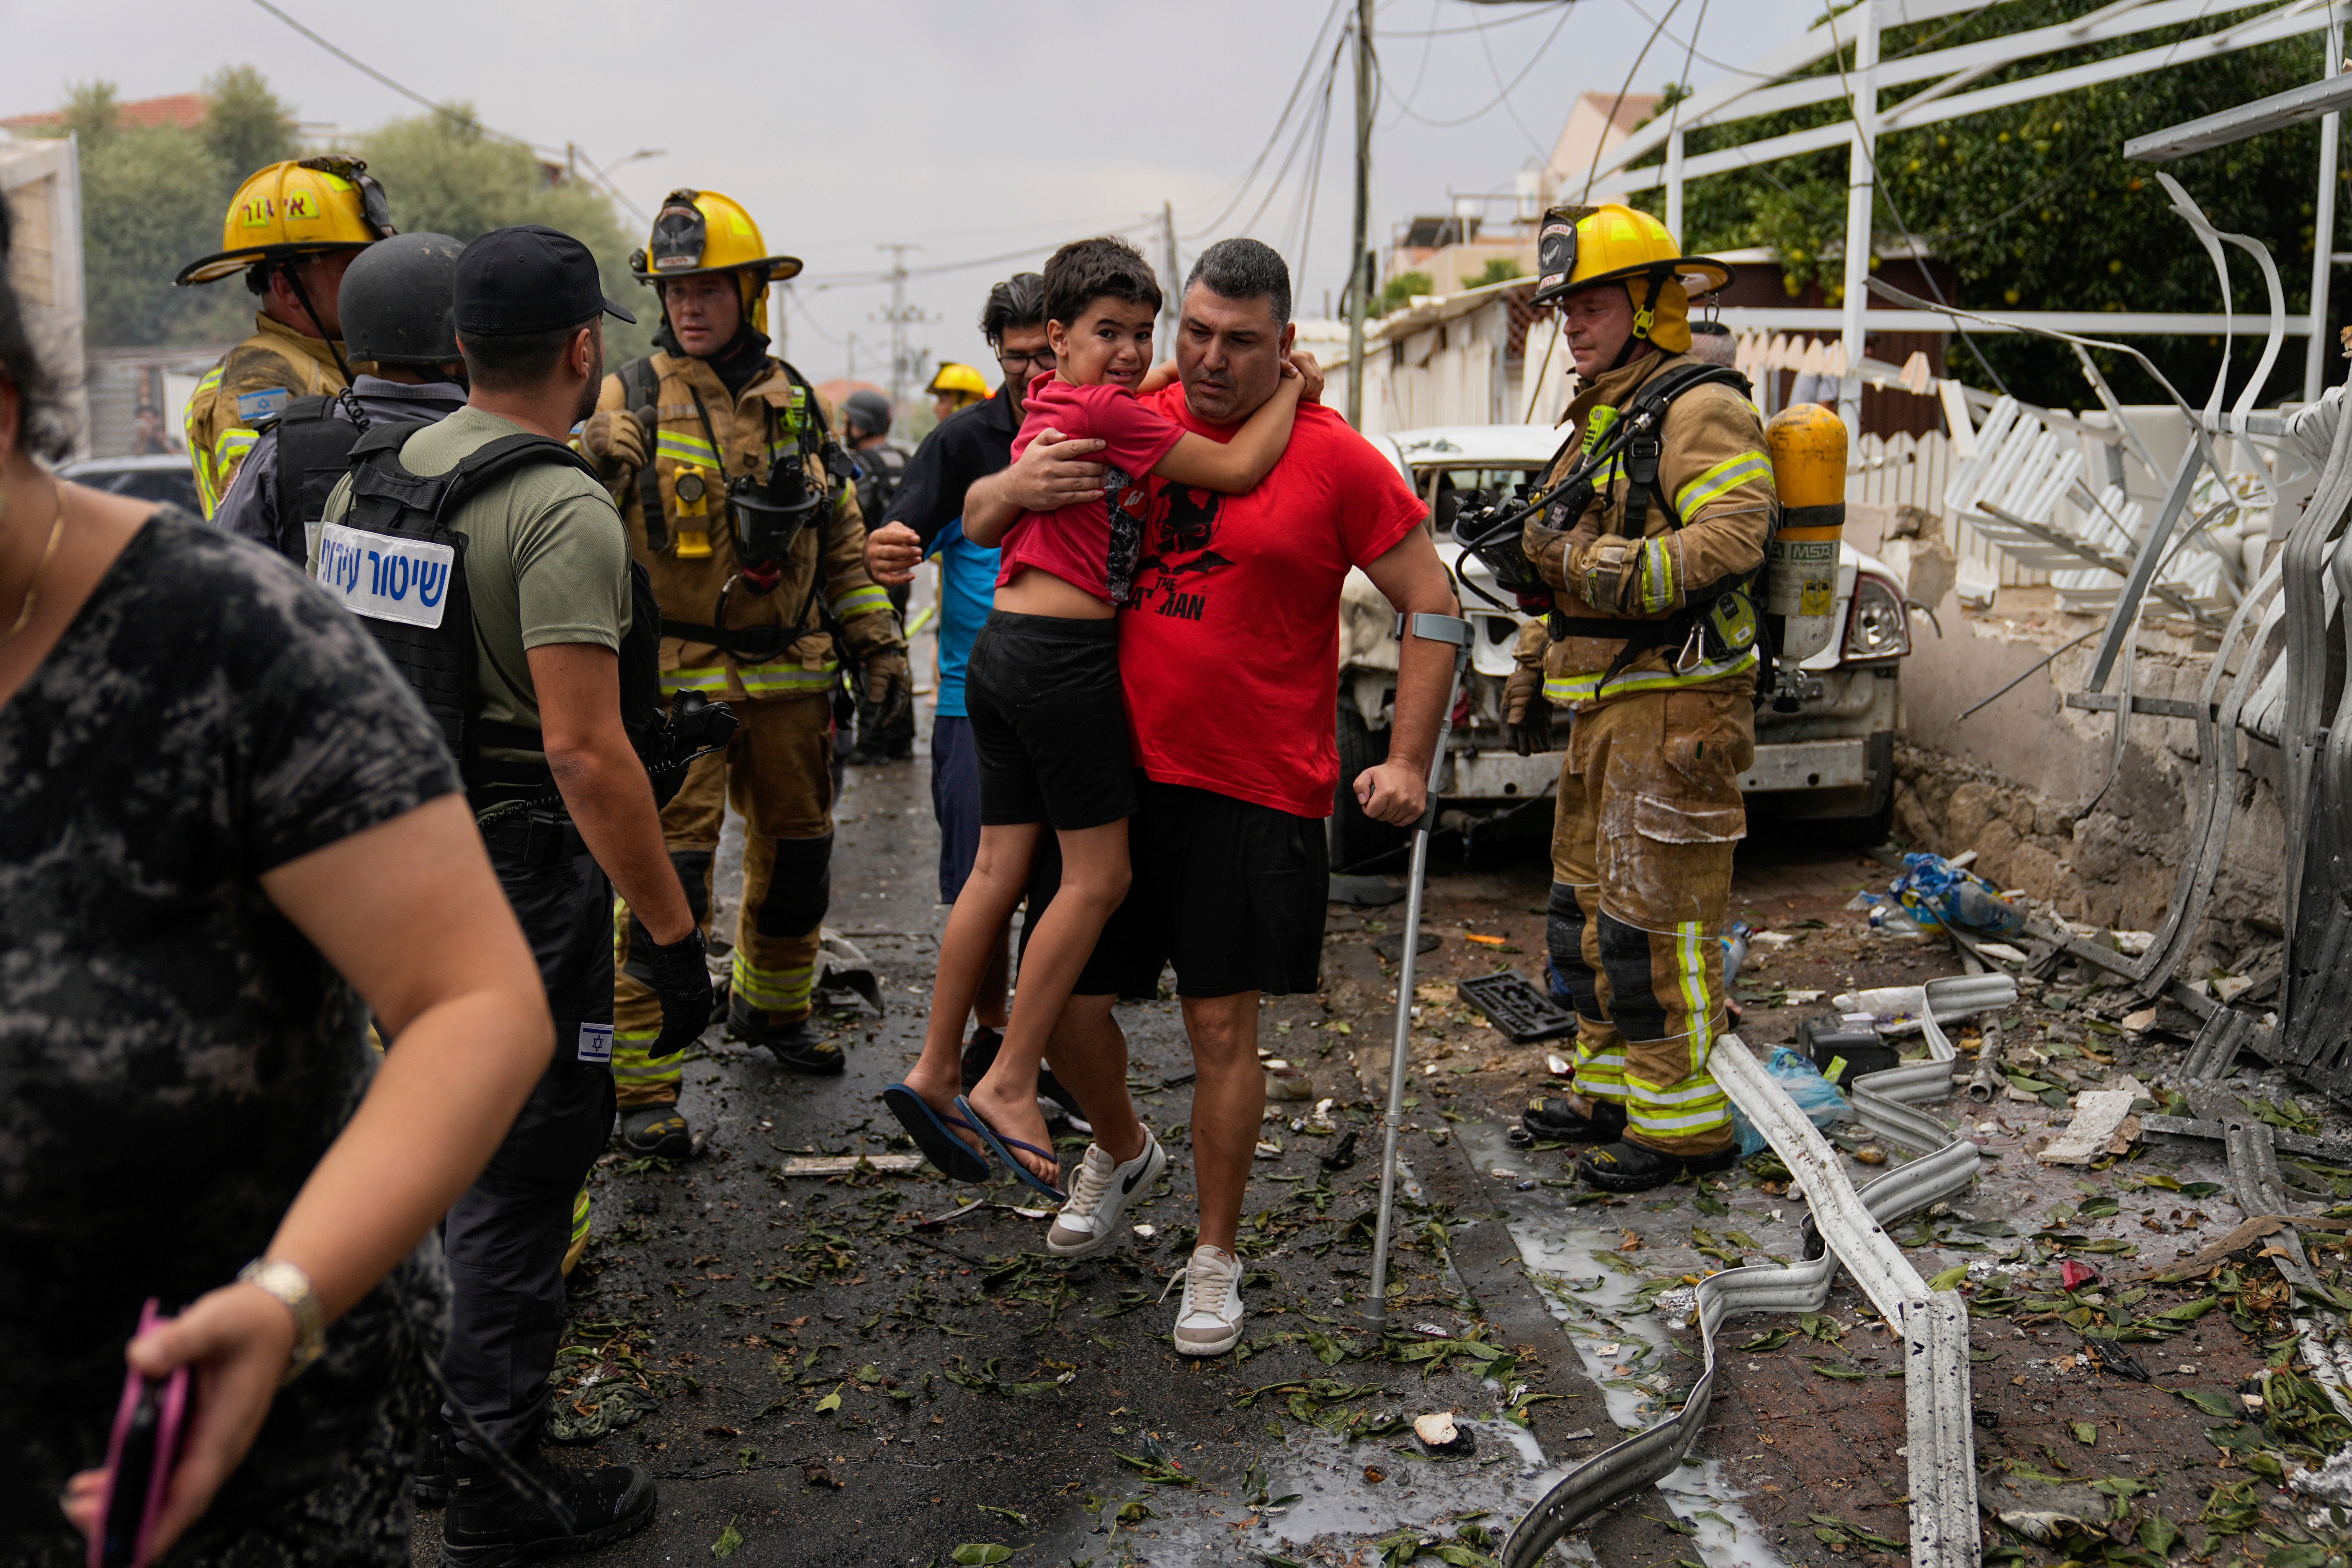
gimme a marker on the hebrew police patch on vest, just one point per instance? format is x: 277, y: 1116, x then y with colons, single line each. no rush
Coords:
x: 383, y: 577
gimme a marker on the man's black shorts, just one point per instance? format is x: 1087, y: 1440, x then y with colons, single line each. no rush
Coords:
x: 1049, y: 722
x: 1229, y: 892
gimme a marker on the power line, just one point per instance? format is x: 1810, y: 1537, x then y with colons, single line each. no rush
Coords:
x: 1434, y: 31
x: 1503, y: 97
x: 1241, y: 192
x: 1273, y: 188
x: 446, y: 111
x: 1508, y: 107
x: 1601, y: 141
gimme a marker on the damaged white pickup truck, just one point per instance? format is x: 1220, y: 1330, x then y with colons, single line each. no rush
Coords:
x: 1830, y: 760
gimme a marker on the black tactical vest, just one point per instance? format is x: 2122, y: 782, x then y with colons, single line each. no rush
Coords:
x: 394, y: 561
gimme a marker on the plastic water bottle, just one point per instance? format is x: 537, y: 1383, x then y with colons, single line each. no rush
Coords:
x: 1984, y: 912
x: 1735, y: 950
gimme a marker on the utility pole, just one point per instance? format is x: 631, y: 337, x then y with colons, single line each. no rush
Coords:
x: 1360, y: 284
x: 1171, y: 287
x: 899, y: 316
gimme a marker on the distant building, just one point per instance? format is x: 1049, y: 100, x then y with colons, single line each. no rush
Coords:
x: 184, y: 109
x: 41, y: 183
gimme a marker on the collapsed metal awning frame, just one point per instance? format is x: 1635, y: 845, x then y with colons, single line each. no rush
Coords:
x: 1774, y: 84
x: 1844, y: 1226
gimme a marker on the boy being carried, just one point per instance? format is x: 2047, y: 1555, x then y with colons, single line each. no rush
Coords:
x: 1048, y: 719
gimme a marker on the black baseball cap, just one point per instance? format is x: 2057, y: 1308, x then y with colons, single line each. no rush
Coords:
x: 529, y: 278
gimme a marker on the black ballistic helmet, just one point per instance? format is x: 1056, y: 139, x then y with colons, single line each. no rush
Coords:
x: 396, y: 300
x: 868, y: 413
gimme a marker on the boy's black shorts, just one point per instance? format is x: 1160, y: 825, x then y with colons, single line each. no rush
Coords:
x: 1049, y: 722
x: 1231, y: 893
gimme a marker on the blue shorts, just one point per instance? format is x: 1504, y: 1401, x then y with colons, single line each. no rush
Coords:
x: 955, y: 801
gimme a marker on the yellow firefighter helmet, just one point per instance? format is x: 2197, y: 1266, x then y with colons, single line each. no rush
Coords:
x: 702, y: 231
x: 959, y: 382
x: 305, y: 206
x: 1579, y: 248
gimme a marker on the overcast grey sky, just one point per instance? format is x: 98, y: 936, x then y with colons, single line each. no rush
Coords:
x: 974, y: 128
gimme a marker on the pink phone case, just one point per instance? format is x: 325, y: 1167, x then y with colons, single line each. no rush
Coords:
x: 150, y: 1423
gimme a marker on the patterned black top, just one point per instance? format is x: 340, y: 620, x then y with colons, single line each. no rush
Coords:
x: 174, y: 1056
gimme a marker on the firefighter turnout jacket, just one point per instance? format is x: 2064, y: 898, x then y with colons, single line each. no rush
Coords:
x: 1673, y: 567
x: 256, y: 379
x: 678, y: 523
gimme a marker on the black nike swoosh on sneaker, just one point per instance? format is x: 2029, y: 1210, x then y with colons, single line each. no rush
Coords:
x: 1127, y: 1188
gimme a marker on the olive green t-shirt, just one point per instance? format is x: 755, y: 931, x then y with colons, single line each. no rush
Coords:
x: 546, y: 560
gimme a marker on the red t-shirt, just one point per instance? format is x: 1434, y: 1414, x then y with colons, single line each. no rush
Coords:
x: 1092, y: 545
x: 1229, y: 645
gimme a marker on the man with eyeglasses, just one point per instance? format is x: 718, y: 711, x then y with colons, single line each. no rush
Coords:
x: 925, y: 519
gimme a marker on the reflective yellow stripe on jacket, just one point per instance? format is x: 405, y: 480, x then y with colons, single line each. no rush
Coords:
x: 1561, y: 690
x: 1726, y: 475
x: 861, y: 601
x: 759, y: 679
x: 200, y: 457
x: 684, y: 449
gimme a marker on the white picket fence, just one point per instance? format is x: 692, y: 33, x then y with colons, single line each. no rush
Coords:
x: 1916, y: 471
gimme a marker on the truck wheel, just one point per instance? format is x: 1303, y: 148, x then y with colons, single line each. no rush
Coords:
x: 1355, y: 838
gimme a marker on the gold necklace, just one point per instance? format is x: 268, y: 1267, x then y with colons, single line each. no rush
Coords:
x: 32, y: 588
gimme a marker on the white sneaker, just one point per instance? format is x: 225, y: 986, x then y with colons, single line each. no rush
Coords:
x: 1089, y: 1218
x: 1210, y: 1320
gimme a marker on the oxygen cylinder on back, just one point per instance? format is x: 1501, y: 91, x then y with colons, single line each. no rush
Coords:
x: 1808, y: 444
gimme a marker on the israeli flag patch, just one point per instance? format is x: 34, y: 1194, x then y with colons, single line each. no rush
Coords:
x: 596, y: 1043
x: 383, y: 577
x: 262, y: 404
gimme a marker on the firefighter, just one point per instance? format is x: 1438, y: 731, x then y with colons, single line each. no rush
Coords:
x: 1652, y: 525
x: 881, y: 464
x: 956, y: 387
x: 737, y: 499
x: 291, y: 229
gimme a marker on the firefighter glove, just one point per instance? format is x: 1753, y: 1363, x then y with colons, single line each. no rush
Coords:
x: 1553, y: 552
x: 614, y: 442
x: 889, y: 686
x: 681, y: 979
x: 1527, y: 717
x: 1606, y: 573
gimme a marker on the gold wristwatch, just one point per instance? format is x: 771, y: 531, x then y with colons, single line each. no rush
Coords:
x: 291, y: 1287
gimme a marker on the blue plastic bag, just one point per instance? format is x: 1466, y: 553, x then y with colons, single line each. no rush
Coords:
x: 1816, y: 1096
x: 1935, y: 893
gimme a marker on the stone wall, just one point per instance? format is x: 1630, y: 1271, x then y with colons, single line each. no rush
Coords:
x: 2010, y: 782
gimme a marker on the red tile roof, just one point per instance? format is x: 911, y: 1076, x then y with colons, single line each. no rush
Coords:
x: 181, y: 108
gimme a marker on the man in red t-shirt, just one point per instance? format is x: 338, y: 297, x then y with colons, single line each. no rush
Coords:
x: 1229, y: 654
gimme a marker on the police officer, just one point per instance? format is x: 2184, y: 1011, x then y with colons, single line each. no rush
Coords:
x: 881, y: 466
x: 1657, y: 515
x: 737, y: 500
x: 563, y: 666
x: 395, y: 301
x: 291, y: 229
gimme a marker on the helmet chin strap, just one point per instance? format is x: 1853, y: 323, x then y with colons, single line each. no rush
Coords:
x: 292, y: 273
x: 1643, y: 319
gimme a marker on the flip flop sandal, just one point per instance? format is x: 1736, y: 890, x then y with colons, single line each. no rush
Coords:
x: 1002, y: 1147
x: 949, y: 1154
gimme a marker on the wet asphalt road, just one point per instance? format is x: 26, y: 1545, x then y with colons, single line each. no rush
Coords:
x: 985, y: 1392
x: 831, y: 1380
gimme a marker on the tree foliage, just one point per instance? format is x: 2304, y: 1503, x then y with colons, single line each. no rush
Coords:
x: 152, y: 199
x: 1499, y: 270
x: 247, y: 126
x: 444, y: 172
x: 1401, y: 288
x: 2034, y: 207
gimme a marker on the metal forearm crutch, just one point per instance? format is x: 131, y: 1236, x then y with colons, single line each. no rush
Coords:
x: 1430, y: 628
